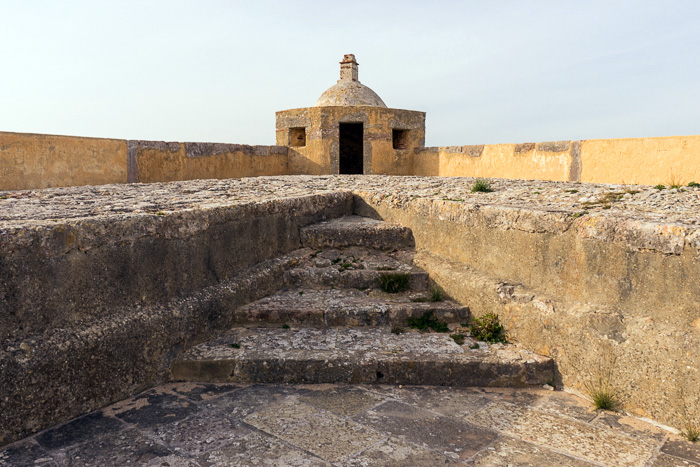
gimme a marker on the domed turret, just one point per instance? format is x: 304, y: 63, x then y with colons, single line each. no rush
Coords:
x: 349, y: 91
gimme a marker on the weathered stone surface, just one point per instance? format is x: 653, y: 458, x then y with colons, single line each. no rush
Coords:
x: 319, y: 432
x: 596, y: 269
x: 356, y: 231
x: 568, y: 436
x: 344, y: 307
x: 357, y: 355
x: 327, y: 425
x: 455, y: 438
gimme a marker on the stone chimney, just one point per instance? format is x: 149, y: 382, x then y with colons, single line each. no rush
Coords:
x: 348, y: 68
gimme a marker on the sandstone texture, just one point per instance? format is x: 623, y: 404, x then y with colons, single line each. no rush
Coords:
x: 101, y: 288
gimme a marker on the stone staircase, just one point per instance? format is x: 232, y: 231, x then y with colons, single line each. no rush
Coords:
x: 333, y: 323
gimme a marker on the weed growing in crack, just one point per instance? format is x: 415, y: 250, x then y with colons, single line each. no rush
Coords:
x: 435, y: 296
x: 691, y: 431
x: 426, y: 322
x: 694, y: 185
x: 394, y: 282
x: 481, y: 186
x: 397, y: 330
x: 285, y: 326
x: 474, y: 346
x: 487, y: 328
x: 602, y: 391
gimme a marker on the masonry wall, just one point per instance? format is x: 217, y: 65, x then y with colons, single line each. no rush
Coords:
x: 647, y: 161
x: 44, y: 161
x: 29, y: 161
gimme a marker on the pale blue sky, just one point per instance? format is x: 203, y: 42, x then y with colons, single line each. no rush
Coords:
x: 484, y: 71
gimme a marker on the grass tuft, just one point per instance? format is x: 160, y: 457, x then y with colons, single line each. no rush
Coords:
x: 694, y: 185
x: 660, y: 187
x: 603, y: 392
x: 691, y: 431
x: 426, y: 322
x: 435, y: 296
x: 481, y: 186
x: 487, y: 328
x: 394, y: 282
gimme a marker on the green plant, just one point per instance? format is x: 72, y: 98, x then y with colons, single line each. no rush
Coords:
x: 481, y: 186
x: 694, y: 185
x: 285, y: 326
x: 474, y: 346
x: 602, y: 391
x: 385, y: 268
x: 660, y: 187
x: 458, y: 338
x: 487, y: 328
x: 397, y: 330
x: 235, y: 346
x: 691, y: 431
x: 571, y: 191
x: 394, y: 282
x: 674, y: 181
x: 579, y: 214
x: 301, y: 292
x: 603, y: 395
x: 435, y: 296
x: 427, y: 321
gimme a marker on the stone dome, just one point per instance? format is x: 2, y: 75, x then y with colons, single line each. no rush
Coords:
x: 349, y: 91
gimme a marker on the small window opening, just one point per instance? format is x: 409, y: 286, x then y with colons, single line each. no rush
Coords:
x: 297, y: 137
x: 399, y: 138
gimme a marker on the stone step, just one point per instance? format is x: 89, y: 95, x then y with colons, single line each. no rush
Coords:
x: 356, y: 231
x: 358, y: 356
x: 354, y: 267
x: 344, y: 307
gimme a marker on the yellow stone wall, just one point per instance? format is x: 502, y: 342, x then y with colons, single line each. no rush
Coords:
x: 647, y: 161
x: 30, y: 161
x: 44, y: 161
x: 165, y: 162
x: 541, y: 161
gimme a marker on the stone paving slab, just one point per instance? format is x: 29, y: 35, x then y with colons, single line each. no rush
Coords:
x: 358, y: 355
x: 200, y: 424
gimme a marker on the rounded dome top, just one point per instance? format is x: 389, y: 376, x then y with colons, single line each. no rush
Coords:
x: 349, y: 91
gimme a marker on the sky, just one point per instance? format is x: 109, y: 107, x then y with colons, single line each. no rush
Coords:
x: 484, y: 71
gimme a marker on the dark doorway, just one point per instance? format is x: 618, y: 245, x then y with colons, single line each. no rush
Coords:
x: 350, y: 148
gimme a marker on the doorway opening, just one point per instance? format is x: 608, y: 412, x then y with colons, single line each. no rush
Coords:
x: 350, y: 144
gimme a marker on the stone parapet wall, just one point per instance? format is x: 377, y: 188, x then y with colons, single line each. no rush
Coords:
x: 30, y: 161
x: 649, y: 161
